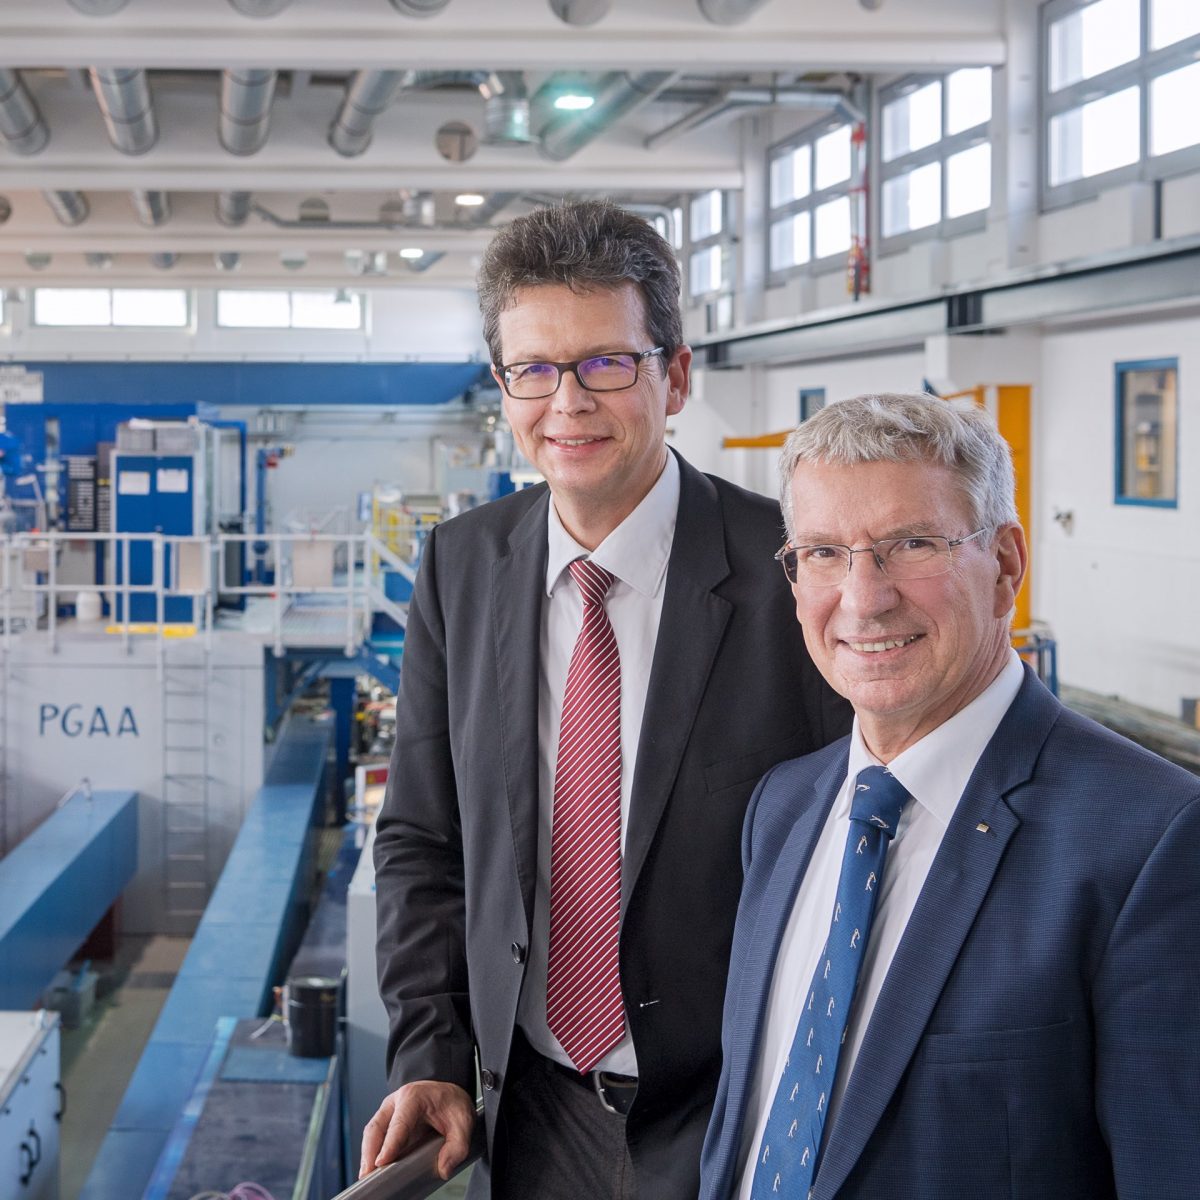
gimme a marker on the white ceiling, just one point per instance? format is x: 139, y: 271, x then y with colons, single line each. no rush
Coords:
x: 318, y: 45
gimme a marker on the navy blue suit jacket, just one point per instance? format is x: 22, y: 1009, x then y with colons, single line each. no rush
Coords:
x: 1038, y: 1032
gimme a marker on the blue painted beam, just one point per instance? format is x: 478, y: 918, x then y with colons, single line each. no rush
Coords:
x: 238, y: 954
x: 57, y: 884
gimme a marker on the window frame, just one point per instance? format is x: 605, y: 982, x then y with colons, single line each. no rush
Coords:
x: 722, y: 240
x: 1139, y: 72
x: 1120, y: 370
x: 941, y: 151
x: 189, y: 302
x: 815, y: 198
x: 291, y: 327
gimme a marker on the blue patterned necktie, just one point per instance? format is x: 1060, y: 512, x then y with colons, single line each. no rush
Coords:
x: 791, y: 1144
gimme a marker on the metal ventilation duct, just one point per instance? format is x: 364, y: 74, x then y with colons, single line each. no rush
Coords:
x: 233, y: 208
x: 505, y: 108
x: 482, y: 214
x: 246, y: 109
x: 71, y: 208
x: 21, y: 126
x: 619, y: 94
x: 227, y: 260
x: 152, y: 208
x: 260, y: 8
x: 369, y: 94
x: 422, y: 264
x: 580, y: 12
x: 419, y: 8
x: 164, y: 260
x: 98, y: 8
x: 124, y: 98
x: 100, y: 260
x: 729, y: 12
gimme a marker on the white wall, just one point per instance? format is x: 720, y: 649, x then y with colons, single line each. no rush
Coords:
x: 1122, y: 588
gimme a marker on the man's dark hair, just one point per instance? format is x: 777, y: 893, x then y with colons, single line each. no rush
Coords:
x: 587, y: 245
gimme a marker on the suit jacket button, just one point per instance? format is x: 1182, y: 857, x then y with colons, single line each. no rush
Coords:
x: 488, y: 1079
x: 518, y: 953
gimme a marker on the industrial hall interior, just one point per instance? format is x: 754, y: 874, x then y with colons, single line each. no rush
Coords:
x: 243, y: 376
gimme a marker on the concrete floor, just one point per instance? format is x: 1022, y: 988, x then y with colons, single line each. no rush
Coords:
x: 99, y: 1057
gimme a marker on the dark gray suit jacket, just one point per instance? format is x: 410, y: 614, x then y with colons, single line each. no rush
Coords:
x: 732, y: 692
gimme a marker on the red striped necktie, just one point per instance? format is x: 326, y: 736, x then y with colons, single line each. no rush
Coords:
x: 584, y: 1009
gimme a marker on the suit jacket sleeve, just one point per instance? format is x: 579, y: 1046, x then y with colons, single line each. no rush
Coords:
x: 1145, y: 1002
x: 419, y: 873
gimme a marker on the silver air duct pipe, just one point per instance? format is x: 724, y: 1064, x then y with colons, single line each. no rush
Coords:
x: 580, y: 12
x: 619, y: 93
x: 152, y: 208
x: 21, y: 126
x: 71, y: 208
x: 227, y: 260
x: 419, y: 8
x: 246, y: 109
x: 233, y: 208
x: 259, y: 8
x: 505, y: 108
x: 99, y: 260
x: 490, y: 207
x: 422, y: 264
x: 98, y: 8
x: 164, y: 260
x: 728, y: 12
x: 369, y: 94
x: 124, y: 98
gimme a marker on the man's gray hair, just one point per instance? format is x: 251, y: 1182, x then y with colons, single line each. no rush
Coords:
x: 895, y: 427
x: 586, y: 245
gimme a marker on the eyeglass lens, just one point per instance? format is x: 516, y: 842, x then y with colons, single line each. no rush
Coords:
x: 603, y: 373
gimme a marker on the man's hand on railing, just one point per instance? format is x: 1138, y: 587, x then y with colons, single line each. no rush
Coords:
x: 408, y: 1113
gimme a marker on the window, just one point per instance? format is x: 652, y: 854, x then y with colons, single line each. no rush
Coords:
x: 339, y: 309
x: 810, y: 196
x: 1120, y: 92
x: 109, y: 308
x: 812, y: 400
x: 1147, y: 432
x: 709, y: 244
x: 936, y: 156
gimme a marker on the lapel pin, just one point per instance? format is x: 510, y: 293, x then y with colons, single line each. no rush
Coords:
x: 983, y: 827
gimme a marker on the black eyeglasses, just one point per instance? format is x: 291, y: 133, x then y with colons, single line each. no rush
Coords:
x: 600, y: 373
x: 915, y: 557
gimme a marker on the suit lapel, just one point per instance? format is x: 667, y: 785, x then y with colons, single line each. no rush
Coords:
x: 958, y: 881
x: 518, y: 583
x: 689, y: 634
x: 745, y: 1022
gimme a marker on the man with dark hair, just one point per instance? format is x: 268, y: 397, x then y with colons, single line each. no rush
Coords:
x: 596, y: 672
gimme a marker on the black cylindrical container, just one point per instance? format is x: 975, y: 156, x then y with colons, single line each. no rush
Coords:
x: 310, y: 1013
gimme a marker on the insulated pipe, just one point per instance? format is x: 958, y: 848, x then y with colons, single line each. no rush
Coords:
x: 71, y: 208
x: 422, y: 264
x: 419, y: 8
x: 21, y: 126
x: 233, y: 207
x: 728, y: 12
x: 98, y: 8
x: 124, y: 98
x: 152, y: 208
x: 580, y: 12
x: 619, y: 93
x: 259, y: 8
x: 505, y: 107
x: 369, y: 94
x: 246, y: 109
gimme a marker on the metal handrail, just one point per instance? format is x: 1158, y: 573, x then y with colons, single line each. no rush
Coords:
x: 414, y: 1177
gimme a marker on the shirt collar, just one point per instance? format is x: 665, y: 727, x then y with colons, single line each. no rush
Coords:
x: 637, y: 551
x: 935, y: 770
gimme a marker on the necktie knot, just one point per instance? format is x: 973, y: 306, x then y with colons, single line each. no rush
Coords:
x: 592, y: 580
x: 879, y: 798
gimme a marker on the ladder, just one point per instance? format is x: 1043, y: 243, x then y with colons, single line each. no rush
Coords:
x: 186, y: 784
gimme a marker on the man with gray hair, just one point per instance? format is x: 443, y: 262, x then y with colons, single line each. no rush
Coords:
x: 596, y: 672
x: 965, y: 958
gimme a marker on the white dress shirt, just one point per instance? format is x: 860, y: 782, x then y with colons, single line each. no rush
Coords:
x: 935, y: 772
x: 636, y: 553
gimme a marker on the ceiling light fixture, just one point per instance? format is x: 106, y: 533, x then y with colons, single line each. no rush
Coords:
x: 411, y: 252
x: 468, y: 199
x: 574, y: 102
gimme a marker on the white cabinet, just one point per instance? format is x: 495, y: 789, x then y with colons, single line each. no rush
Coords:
x: 30, y: 1106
